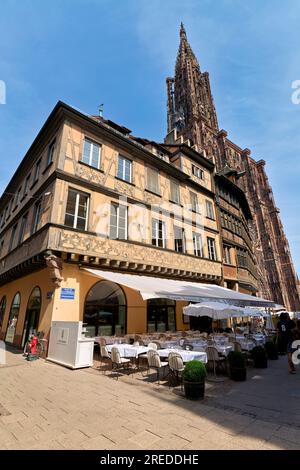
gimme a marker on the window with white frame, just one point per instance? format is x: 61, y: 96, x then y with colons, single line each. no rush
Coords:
x: 51, y: 150
x: 158, y: 233
x: 227, y: 254
x: 118, y: 222
x: 37, y: 216
x: 37, y: 170
x: 197, y: 244
x: 26, y: 185
x: 124, y: 169
x: 194, y: 202
x: 4, y: 216
x: 210, y: 210
x: 198, y: 172
x: 23, y: 228
x: 153, y: 180
x: 174, y: 192
x: 13, y: 237
x: 211, y: 247
x: 17, y: 197
x: 77, y: 210
x: 179, y: 239
x: 91, y: 154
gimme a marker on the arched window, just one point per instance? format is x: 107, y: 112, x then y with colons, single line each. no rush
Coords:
x: 105, y: 310
x: 13, y: 318
x: 161, y: 315
x: 2, y: 310
x: 32, y: 315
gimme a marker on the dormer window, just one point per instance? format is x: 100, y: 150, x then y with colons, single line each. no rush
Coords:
x: 198, y: 172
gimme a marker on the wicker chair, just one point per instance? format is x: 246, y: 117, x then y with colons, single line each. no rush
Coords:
x: 176, y: 367
x: 105, y: 357
x: 214, y: 359
x: 154, y: 362
x: 118, y: 362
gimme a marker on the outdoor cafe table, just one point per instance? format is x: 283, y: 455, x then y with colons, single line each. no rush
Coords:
x: 128, y: 350
x: 186, y: 355
x: 110, y: 339
x: 259, y: 338
x: 169, y: 343
x: 223, y: 349
x: 247, y: 344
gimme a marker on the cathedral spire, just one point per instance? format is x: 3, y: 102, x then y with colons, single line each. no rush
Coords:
x: 182, y: 31
x: 185, y: 52
x: 190, y: 102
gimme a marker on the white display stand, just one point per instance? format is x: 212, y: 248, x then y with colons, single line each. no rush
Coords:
x: 68, y: 346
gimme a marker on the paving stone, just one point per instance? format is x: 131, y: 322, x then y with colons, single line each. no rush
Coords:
x: 145, y: 439
x: 88, y: 410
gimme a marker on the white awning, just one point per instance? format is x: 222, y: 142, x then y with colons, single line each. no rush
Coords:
x: 155, y: 287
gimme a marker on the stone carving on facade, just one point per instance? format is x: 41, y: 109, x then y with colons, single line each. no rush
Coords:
x: 89, y: 174
x: 124, y: 188
x: 55, y: 264
x: 114, y: 249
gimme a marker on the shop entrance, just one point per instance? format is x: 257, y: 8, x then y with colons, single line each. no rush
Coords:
x: 32, y: 315
x: 161, y: 315
x: 105, y: 310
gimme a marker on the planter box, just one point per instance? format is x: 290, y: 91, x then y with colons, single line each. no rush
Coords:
x: 238, y: 374
x: 194, y: 390
x: 273, y: 357
x: 261, y: 363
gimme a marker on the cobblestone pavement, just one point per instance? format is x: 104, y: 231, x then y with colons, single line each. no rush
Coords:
x: 45, y: 406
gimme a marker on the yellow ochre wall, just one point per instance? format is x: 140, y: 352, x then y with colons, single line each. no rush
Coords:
x: 71, y: 310
x: 25, y: 286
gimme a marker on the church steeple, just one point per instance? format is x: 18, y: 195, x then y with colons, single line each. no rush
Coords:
x: 189, y: 97
x: 182, y: 31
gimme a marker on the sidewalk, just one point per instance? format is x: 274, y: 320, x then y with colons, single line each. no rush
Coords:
x: 45, y: 406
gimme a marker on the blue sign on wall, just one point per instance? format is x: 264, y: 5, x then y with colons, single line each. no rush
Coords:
x: 67, y: 293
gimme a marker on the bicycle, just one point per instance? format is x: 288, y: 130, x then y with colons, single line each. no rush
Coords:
x: 39, y: 346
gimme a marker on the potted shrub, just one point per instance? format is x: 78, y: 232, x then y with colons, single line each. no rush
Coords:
x: 193, y: 378
x: 271, y: 350
x: 259, y: 357
x: 237, y: 366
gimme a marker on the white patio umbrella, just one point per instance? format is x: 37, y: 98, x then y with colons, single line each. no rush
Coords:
x: 214, y: 310
x: 269, y: 323
x: 255, y: 312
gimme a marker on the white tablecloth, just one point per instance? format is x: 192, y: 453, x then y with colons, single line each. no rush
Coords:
x: 186, y: 355
x: 224, y: 349
x: 198, y: 343
x: 128, y: 350
x: 247, y: 345
x: 109, y: 339
x: 169, y: 343
x: 260, y: 339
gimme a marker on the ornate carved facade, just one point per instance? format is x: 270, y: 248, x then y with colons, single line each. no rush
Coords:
x: 192, y: 119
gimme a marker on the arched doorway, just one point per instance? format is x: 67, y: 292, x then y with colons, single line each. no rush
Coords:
x: 2, y: 310
x: 32, y: 315
x: 105, y: 310
x: 13, y: 318
x: 161, y: 315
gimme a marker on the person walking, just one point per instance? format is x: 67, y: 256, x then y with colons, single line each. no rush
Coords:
x: 285, y: 328
x: 295, y: 333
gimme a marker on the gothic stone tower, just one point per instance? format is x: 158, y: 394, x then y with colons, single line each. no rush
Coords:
x: 192, y: 119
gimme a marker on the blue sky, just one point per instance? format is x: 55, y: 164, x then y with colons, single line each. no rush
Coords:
x: 119, y: 52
